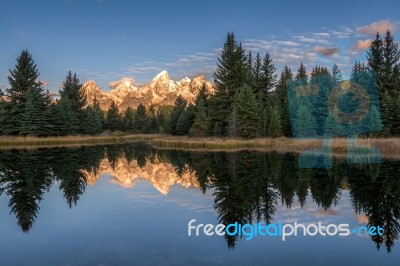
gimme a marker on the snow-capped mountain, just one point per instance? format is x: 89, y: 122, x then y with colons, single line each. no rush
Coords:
x: 161, y: 175
x: 162, y: 90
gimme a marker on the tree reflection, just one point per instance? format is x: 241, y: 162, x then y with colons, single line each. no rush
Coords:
x: 247, y: 186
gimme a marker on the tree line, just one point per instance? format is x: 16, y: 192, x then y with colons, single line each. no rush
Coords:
x: 250, y: 100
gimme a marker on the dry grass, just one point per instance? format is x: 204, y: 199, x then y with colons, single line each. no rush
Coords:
x: 389, y: 147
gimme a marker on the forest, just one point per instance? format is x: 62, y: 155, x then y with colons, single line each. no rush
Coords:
x: 250, y: 101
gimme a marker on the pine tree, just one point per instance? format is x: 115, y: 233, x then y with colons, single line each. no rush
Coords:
x: 281, y: 91
x: 66, y: 122
x: 275, y: 127
x: 376, y: 61
x: 32, y: 119
x: 113, y: 121
x: 141, y: 124
x: 92, y: 123
x: 247, y: 109
x: 99, y: 112
x: 202, y: 95
x: 200, y: 124
x: 185, y: 121
x: 391, y: 55
x: 336, y: 75
x: 22, y: 78
x: 257, y: 74
x: 395, y: 129
x: 250, y: 76
x: 301, y: 76
x: 268, y: 78
x: 72, y: 89
x: 304, y: 123
x: 154, y: 127
x: 128, y: 119
x: 179, y: 107
x: 231, y: 73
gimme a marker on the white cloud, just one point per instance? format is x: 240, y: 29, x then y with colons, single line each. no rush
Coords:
x: 362, y: 45
x: 322, y: 34
x: 380, y: 26
x: 125, y: 81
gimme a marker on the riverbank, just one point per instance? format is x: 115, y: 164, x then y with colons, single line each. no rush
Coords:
x: 389, y: 147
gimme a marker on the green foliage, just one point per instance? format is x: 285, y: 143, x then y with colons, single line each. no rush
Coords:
x: 24, y: 86
x: 128, y: 119
x: 113, y: 121
x: 185, y: 120
x: 232, y: 73
x: 33, y: 120
x: 275, y: 126
x: 141, y: 124
x: 247, y: 113
x: 92, y: 122
x: 268, y: 78
x: 179, y: 108
x: 67, y: 121
x: 200, y: 124
x: 304, y: 123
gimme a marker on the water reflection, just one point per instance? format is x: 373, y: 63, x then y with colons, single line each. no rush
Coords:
x: 247, y: 186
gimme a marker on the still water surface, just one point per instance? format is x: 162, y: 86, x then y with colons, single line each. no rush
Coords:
x: 130, y: 205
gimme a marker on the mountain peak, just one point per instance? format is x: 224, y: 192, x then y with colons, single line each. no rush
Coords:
x: 162, y: 75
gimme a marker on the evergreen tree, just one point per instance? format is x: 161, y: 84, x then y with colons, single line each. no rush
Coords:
x: 22, y: 78
x: 395, y: 129
x: 72, y: 89
x: 179, y: 107
x: 250, y: 76
x: 33, y: 117
x: 247, y: 113
x: 268, y: 78
x: 275, y: 127
x: 231, y: 73
x: 154, y: 127
x: 99, y: 112
x: 92, y: 123
x: 141, y: 124
x: 202, y: 95
x: 391, y: 55
x: 66, y: 123
x: 257, y: 74
x: 113, y: 121
x: 376, y: 61
x: 185, y: 121
x: 301, y: 75
x: 304, y: 123
x: 128, y: 119
x: 336, y: 75
x: 281, y: 91
x: 200, y: 124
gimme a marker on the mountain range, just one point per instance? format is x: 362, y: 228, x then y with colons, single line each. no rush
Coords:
x: 162, y: 176
x: 162, y: 90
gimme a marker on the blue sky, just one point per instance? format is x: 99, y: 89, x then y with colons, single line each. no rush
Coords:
x: 108, y: 40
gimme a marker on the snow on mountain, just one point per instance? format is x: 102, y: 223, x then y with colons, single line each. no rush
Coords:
x: 161, y: 90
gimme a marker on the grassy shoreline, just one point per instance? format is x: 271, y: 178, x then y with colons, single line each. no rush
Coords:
x: 389, y: 147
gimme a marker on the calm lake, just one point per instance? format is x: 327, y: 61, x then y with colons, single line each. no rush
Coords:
x: 130, y: 204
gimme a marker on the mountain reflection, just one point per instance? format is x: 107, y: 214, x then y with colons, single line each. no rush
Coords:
x: 247, y: 186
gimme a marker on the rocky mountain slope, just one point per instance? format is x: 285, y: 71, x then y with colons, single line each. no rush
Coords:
x: 161, y: 175
x: 162, y: 90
